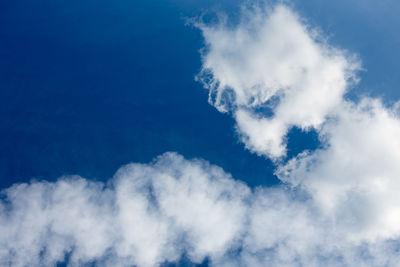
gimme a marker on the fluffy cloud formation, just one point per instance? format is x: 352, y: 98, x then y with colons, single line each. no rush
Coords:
x: 149, y: 214
x: 356, y: 177
x: 146, y: 215
x: 271, y: 59
x: 336, y: 206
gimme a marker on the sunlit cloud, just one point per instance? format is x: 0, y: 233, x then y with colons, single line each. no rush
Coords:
x: 337, y: 205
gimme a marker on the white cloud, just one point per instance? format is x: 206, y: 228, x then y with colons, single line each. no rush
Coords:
x: 356, y: 176
x: 272, y: 58
x: 148, y: 214
x: 261, y: 135
x: 337, y: 205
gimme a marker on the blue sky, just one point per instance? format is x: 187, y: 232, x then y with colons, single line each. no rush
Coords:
x: 89, y: 86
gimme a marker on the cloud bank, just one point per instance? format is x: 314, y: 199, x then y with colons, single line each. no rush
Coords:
x: 152, y: 213
x: 336, y: 206
x: 146, y: 215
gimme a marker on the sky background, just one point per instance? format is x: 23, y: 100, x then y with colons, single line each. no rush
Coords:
x: 87, y: 86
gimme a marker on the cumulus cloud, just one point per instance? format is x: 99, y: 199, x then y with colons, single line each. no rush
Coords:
x: 146, y: 215
x: 272, y: 59
x: 336, y: 206
x: 152, y: 213
x: 356, y: 177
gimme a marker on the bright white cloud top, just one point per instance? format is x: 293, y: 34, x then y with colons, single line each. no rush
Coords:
x: 272, y: 59
x: 337, y: 206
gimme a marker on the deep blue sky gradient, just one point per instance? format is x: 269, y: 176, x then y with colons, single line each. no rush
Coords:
x: 89, y: 85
